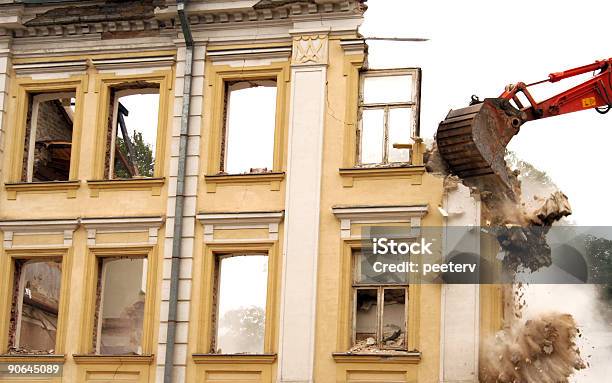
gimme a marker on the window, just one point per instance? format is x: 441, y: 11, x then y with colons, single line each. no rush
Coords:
x: 48, y: 138
x: 380, y: 304
x: 250, y: 121
x: 240, y: 313
x: 120, y: 305
x: 35, y: 307
x: 389, y: 114
x: 132, y: 130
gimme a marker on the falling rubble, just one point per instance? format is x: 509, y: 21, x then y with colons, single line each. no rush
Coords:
x: 520, y: 227
x: 540, y: 349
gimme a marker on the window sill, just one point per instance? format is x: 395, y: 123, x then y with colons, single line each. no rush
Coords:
x: 152, y: 184
x: 112, y: 359
x: 273, y: 179
x: 412, y: 172
x: 234, y: 358
x: 21, y: 358
x: 392, y: 357
x: 68, y: 187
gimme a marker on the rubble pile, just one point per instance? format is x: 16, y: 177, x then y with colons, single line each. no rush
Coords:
x: 538, y: 350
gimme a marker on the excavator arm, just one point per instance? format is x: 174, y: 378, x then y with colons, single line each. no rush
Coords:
x: 593, y: 93
x: 472, y: 140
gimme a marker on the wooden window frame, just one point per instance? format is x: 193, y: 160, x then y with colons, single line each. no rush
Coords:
x: 414, y: 105
x: 346, y: 316
x: 380, y: 288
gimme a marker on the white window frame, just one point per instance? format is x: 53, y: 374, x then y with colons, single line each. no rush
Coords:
x: 414, y: 104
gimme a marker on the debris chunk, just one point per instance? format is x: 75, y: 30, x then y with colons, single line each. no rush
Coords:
x: 542, y: 349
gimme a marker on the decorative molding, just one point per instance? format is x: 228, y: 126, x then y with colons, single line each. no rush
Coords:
x: 93, y: 28
x: 113, y: 359
x: 153, y: 62
x: 310, y: 50
x: 234, y: 358
x: 242, y: 220
x: 95, y: 226
x: 266, y: 11
x: 66, y: 227
x: 72, y: 66
x: 32, y: 358
x: 202, y: 15
x: 249, y: 56
x: 68, y: 187
x: 412, y: 172
x: 272, y: 179
x: 354, y: 46
x: 411, y: 357
x: 152, y: 184
x: 378, y: 214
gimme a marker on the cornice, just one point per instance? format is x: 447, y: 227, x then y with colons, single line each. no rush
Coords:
x: 15, y: 23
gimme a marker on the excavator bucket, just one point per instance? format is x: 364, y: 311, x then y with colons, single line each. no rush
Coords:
x: 473, y: 140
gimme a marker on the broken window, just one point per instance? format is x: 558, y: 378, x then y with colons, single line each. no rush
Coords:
x: 380, y: 305
x: 48, y: 137
x: 250, y: 121
x: 35, y: 307
x: 240, y: 314
x: 132, y: 133
x: 120, y: 306
x: 388, y: 110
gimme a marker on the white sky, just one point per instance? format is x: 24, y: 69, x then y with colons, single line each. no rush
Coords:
x: 251, y: 123
x: 478, y: 47
x: 143, y: 116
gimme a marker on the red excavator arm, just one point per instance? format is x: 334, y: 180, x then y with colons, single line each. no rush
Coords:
x: 473, y: 140
x: 593, y: 93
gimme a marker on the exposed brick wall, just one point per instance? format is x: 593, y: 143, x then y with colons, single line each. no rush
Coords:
x: 14, y: 304
x: 53, y: 122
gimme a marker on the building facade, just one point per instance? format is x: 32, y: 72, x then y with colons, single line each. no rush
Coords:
x: 184, y: 189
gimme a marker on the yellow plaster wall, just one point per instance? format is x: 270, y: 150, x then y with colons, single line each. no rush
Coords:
x: 75, y: 300
x: 365, y: 191
x: 45, y: 201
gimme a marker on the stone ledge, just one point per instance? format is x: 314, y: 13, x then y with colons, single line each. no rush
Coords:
x: 152, y: 184
x: 408, y: 357
x: 273, y: 179
x: 32, y: 358
x: 234, y: 358
x: 68, y: 187
x: 412, y: 172
x: 113, y: 359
